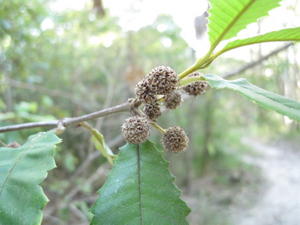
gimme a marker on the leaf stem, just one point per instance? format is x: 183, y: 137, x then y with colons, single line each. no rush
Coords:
x: 189, y: 80
x: 187, y: 72
x: 159, y: 128
x: 198, y: 65
x: 100, y: 145
x: 88, y: 127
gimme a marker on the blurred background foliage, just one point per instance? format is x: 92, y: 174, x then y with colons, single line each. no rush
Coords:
x: 68, y: 63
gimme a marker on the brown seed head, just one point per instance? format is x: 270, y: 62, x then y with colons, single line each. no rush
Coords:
x: 196, y: 88
x: 175, y: 139
x: 162, y: 80
x: 135, y: 129
x: 152, y: 110
x: 172, y: 100
x: 143, y: 92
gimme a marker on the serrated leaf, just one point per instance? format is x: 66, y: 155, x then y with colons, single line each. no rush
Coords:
x: 140, y: 191
x: 266, y: 99
x: 22, y: 169
x: 227, y: 18
x: 290, y: 34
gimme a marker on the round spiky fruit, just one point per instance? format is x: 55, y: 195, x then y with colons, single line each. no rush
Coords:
x: 135, y: 129
x: 196, y: 88
x: 172, y: 100
x: 175, y: 139
x: 152, y: 110
x: 143, y: 92
x: 162, y: 80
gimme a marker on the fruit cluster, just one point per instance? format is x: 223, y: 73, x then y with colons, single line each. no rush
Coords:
x: 160, y: 86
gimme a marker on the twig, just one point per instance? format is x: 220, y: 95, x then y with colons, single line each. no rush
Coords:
x: 53, y: 93
x: 100, y: 172
x: 126, y: 106
x: 258, y: 61
x: 69, y: 121
x: 78, y: 213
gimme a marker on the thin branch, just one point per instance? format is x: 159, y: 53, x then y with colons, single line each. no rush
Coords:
x: 258, y: 61
x: 96, y: 176
x: 69, y: 121
x: 53, y: 93
x: 126, y: 106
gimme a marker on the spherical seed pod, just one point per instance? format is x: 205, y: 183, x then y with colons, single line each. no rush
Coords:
x: 136, y: 129
x: 143, y: 92
x: 152, y: 110
x: 196, y: 88
x: 175, y: 139
x: 172, y: 100
x: 162, y: 80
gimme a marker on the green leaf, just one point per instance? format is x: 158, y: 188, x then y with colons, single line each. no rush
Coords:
x: 260, y: 96
x: 22, y: 169
x: 227, y: 18
x: 290, y: 34
x: 140, y: 191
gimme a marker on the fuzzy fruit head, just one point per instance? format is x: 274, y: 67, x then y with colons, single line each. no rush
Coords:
x: 136, y: 129
x: 196, y: 88
x: 152, y: 110
x: 172, y: 100
x: 162, y: 80
x: 175, y: 139
x: 143, y: 92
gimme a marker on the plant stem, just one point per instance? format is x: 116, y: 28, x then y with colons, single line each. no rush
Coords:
x: 198, y: 65
x: 88, y: 127
x: 159, y: 128
x: 189, y: 80
x: 69, y: 121
x: 187, y: 72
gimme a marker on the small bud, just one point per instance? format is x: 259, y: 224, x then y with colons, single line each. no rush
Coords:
x: 162, y: 80
x: 175, y: 139
x: 196, y: 88
x: 172, y: 100
x: 136, y: 129
x: 152, y: 110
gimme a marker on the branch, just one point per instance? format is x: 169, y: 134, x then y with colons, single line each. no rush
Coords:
x: 69, y: 121
x: 53, y: 93
x: 126, y: 106
x: 258, y: 61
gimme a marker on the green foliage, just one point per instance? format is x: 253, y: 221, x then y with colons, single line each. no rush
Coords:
x: 140, y: 190
x: 227, y: 18
x: 104, y: 60
x: 22, y: 169
x: 260, y: 96
x: 291, y: 34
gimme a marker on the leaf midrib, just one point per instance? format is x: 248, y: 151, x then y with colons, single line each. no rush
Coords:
x: 139, y: 183
x: 270, y: 100
x: 230, y: 25
x: 10, y: 171
x: 255, y: 42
